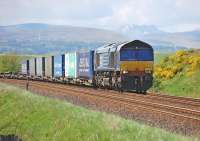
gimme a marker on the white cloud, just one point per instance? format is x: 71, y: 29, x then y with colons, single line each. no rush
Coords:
x: 166, y: 14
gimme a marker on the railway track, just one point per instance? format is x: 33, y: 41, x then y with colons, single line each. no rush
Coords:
x: 169, y: 108
x: 162, y: 99
x: 180, y: 115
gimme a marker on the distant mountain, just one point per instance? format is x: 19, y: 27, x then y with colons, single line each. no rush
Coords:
x: 159, y: 38
x: 35, y: 38
x: 31, y: 26
x: 35, y: 31
x: 139, y: 30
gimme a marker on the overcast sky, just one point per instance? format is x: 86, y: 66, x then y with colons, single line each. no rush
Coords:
x: 169, y: 15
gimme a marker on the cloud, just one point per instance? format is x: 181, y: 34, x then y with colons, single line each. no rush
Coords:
x: 170, y: 15
x: 166, y: 14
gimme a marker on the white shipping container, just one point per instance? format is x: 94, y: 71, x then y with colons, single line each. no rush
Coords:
x: 24, y: 67
x: 39, y: 66
x: 32, y: 67
x: 48, y: 66
x: 71, y: 65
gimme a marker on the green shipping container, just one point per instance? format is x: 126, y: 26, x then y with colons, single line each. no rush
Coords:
x: 71, y: 65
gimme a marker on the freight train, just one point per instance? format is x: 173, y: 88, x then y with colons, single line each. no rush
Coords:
x: 126, y: 66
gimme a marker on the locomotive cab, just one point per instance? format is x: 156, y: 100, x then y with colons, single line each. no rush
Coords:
x: 136, y: 66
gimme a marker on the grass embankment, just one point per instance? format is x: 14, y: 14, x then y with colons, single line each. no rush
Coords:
x: 179, y: 74
x: 33, y: 117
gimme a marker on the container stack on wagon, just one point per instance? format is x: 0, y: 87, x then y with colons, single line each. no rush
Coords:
x: 85, y: 68
x: 25, y: 67
x: 48, y: 67
x: 57, y: 65
x: 32, y: 66
x: 71, y: 65
x: 39, y: 66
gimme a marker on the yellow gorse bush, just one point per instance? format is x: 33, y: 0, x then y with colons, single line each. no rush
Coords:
x: 163, y: 73
x: 180, y: 53
x: 185, y: 62
x: 194, y: 62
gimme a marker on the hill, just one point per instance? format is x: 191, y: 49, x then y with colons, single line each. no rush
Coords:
x: 36, y: 38
x: 179, y: 74
x: 34, y: 118
x: 161, y: 40
x: 39, y: 32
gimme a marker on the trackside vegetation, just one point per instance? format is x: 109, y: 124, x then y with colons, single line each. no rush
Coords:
x: 179, y: 74
x: 37, y: 118
x: 10, y: 63
x: 158, y: 57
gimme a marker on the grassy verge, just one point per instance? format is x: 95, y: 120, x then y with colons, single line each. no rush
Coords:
x: 178, y: 74
x: 182, y: 86
x: 36, y: 118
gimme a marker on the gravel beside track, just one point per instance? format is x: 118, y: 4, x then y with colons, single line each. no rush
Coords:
x: 177, y: 114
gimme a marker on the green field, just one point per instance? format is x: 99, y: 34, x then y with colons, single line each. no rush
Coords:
x: 37, y: 118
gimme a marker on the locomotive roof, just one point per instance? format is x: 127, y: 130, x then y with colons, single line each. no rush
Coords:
x: 118, y: 45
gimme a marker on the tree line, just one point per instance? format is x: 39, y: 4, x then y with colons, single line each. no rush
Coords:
x: 10, y: 63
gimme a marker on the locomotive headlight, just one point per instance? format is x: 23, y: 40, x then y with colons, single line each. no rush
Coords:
x: 147, y: 70
x: 125, y: 72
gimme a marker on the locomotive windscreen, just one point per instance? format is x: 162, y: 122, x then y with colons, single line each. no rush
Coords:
x: 136, y: 54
